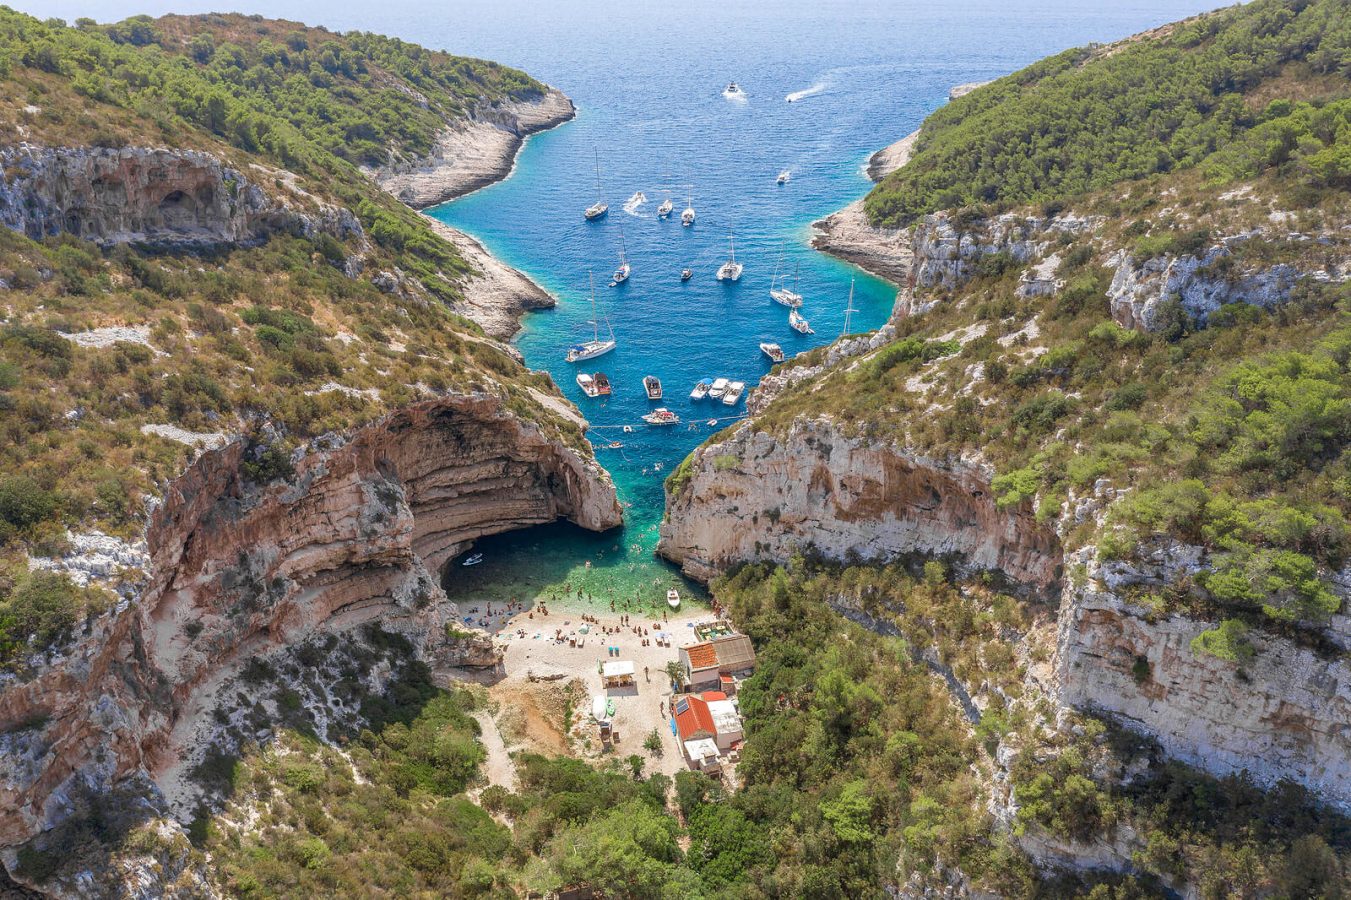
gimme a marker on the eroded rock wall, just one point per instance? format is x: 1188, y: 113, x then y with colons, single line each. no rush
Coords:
x: 756, y: 496
x: 356, y: 535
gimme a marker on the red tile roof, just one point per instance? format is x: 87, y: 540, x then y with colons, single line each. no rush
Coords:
x: 710, y: 696
x: 692, y: 716
x: 702, y: 656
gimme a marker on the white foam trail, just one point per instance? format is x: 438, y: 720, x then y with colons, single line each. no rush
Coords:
x: 801, y: 95
x: 631, y: 205
x: 738, y: 97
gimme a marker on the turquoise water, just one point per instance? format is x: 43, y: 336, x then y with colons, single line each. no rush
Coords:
x: 647, y: 80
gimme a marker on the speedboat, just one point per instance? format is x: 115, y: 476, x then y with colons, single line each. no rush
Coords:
x: 783, y: 177
x: 686, y: 274
x: 717, y: 388
x: 596, y: 385
x: 665, y: 209
x: 733, y: 90
x: 673, y: 598
x: 687, y: 217
x: 472, y: 560
x: 773, y: 351
x: 594, y: 347
x: 798, y: 323
x: 734, y: 392
x: 730, y: 270
x: 652, y: 384
x: 701, y: 389
x: 661, y: 416
x: 600, y: 207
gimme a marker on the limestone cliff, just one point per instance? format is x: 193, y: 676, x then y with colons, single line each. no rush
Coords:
x: 757, y: 496
x: 359, y: 533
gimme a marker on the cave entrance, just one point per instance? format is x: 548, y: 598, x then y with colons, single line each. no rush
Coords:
x: 178, y: 211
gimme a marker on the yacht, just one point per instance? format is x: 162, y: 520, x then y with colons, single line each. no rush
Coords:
x: 622, y: 273
x: 783, y: 177
x: 773, y: 351
x: 664, y: 210
x: 652, y: 384
x: 597, y: 385
x: 661, y: 416
x: 600, y: 207
x: 594, y: 347
x: 701, y: 389
x: 778, y: 289
x: 686, y: 274
x: 798, y: 323
x: 717, y: 388
x: 734, y: 392
x: 687, y: 217
x: 730, y: 270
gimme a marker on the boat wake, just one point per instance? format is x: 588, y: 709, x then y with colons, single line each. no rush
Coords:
x: 632, y: 204
x: 809, y: 92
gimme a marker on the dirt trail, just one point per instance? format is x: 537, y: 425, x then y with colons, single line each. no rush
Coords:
x: 498, y: 768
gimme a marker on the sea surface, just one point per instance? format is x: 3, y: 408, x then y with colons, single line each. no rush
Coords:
x: 648, y: 81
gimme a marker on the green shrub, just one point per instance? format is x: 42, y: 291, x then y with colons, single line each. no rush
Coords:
x: 1229, y: 641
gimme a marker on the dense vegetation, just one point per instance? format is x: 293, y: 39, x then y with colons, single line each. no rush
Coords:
x: 1210, y: 90
x: 293, y: 333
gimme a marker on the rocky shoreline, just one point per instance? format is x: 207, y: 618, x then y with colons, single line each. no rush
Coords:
x: 473, y: 153
x: 496, y: 296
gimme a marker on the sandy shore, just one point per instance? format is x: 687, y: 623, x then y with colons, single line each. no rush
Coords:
x: 473, y: 153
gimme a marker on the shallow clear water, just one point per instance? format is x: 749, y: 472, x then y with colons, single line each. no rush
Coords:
x: 647, y: 79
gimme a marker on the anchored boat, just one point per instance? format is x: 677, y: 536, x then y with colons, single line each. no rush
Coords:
x: 773, y: 351
x: 622, y: 273
x: 778, y: 289
x: 596, y: 385
x: 594, y: 347
x: 600, y: 207
x: 798, y: 323
x: 661, y: 416
x: 673, y: 598
x: 701, y: 389
x: 687, y: 217
x: 734, y: 392
x: 652, y: 384
x: 730, y: 270
x: 718, y: 388
x: 664, y: 211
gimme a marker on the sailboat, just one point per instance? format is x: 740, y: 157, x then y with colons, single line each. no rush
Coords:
x: 687, y: 217
x: 848, y: 309
x: 730, y: 270
x: 594, y: 347
x: 622, y: 273
x: 600, y: 207
x: 798, y: 323
x: 779, y: 290
x: 664, y: 210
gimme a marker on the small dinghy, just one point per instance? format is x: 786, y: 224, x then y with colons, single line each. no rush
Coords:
x: 673, y: 598
x: 686, y: 274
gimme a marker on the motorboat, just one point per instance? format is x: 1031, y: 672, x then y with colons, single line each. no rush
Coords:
x: 472, y: 560
x: 596, y: 385
x: 798, y: 323
x: 701, y: 389
x: 773, y: 351
x: 783, y: 177
x: 594, y: 347
x: 686, y: 274
x: 673, y: 598
x: 661, y: 416
x: 600, y: 207
x: 730, y: 270
x: 733, y: 90
x: 734, y: 392
x: 717, y: 388
x: 652, y: 384
x: 778, y: 289
x: 664, y: 211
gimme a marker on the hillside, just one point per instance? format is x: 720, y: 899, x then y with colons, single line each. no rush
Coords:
x: 1111, y: 410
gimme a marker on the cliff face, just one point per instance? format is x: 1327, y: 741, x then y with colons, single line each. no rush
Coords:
x: 359, y: 533
x: 755, y: 496
x: 473, y: 152
x: 1283, y: 714
x: 169, y: 199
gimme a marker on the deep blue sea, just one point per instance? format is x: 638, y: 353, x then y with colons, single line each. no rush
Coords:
x: 647, y: 79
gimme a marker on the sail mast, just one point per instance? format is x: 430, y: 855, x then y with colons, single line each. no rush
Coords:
x: 848, y: 309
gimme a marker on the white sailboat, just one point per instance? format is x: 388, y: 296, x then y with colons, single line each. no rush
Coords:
x: 848, y: 309
x: 622, y: 273
x: 778, y: 289
x: 687, y: 217
x: 594, y: 347
x: 730, y: 270
x: 600, y: 207
x: 798, y: 323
